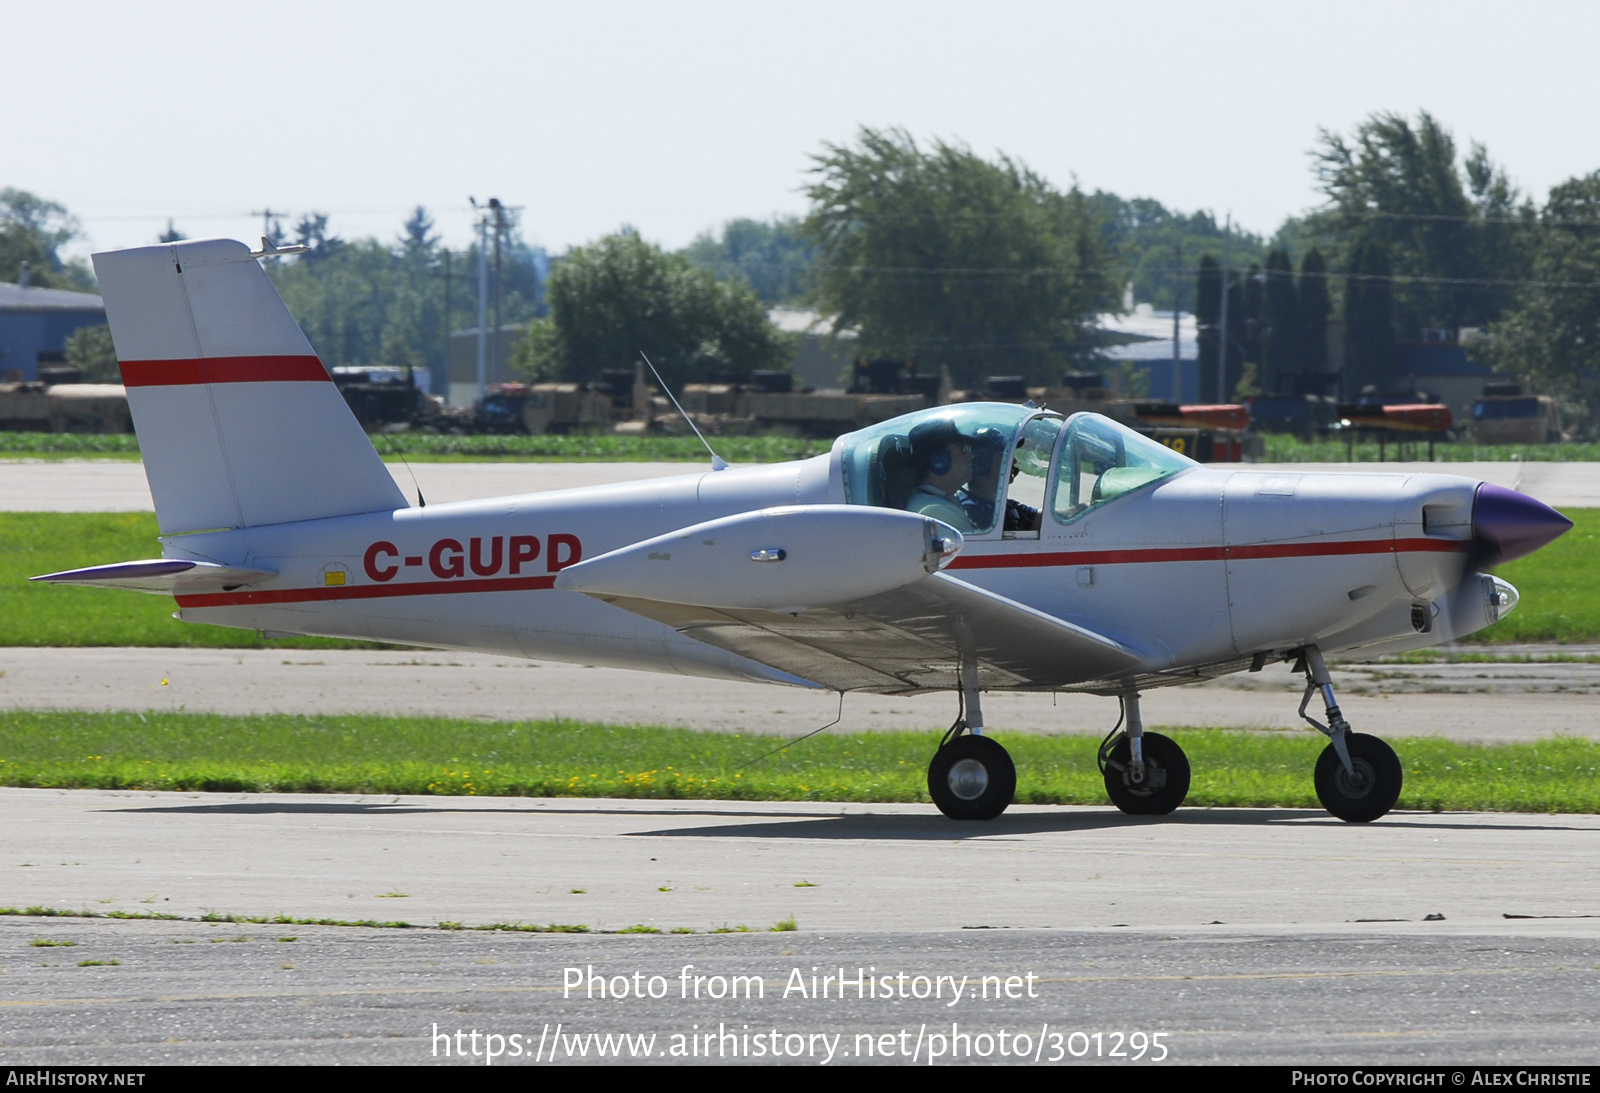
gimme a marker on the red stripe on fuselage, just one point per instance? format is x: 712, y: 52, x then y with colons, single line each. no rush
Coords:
x: 365, y: 591
x: 1207, y: 554
x: 182, y: 373
x: 991, y: 561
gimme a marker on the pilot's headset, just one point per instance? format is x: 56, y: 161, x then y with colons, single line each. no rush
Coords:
x: 932, y: 439
x: 987, y: 445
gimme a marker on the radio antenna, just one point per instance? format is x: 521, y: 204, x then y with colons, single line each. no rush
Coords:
x: 717, y: 462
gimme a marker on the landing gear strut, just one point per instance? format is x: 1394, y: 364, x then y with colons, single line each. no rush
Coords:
x: 971, y: 777
x: 1146, y: 773
x: 1358, y: 777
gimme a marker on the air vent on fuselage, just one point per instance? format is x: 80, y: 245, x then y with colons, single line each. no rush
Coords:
x: 1448, y: 521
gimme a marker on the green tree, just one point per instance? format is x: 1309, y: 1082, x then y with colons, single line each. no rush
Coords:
x: 1148, y: 238
x: 1552, y: 335
x: 621, y: 295
x: 1208, y: 320
x: 89, y: 348
x: 942, y: 257
x: 1315, y: 307
x: 33, y: 230
x: 1451, y: 227
x: 365, y: 302
x: 1369, y: 321
x: 1282, y: 352
x: 773, y: 257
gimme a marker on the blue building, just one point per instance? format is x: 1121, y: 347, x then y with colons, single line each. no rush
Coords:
x: 1143, y: 342
x: 34, y: 324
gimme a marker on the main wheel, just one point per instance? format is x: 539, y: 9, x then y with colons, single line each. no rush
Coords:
x: 1368, y: 792
x: 972, y: 778
x: 1166, y: 776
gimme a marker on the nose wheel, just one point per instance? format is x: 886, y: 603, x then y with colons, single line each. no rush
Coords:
x: 1358, y: 777
x: 972, y: 778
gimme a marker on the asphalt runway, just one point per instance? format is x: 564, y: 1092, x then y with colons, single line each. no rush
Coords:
x: 1241, y: 935
x: 120, y: 486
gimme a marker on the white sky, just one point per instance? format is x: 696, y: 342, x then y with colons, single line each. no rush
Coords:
x: 675, y: 117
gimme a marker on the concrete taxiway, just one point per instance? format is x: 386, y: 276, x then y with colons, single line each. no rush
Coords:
x: 1241, y: 935
x: 120, y: 486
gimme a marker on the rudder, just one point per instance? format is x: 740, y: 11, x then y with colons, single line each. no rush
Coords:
x: 238, y: 421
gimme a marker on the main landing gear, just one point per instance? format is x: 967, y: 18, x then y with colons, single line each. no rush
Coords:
x: 1146, y: 773
x: 1358, y: 777
x: 971, y: 777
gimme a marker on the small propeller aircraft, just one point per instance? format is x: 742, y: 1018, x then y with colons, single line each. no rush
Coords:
x: 966, y: 548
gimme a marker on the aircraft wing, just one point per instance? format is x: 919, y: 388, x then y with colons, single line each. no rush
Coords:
x: 906, y: 639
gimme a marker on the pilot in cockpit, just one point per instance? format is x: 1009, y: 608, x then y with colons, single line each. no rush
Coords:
x: 977, y: 497
x: 945, y: 456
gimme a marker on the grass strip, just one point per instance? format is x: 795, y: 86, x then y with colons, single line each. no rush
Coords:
x: 1560, y: 598
x: 443, y: 757
x: 784, y: 925
x: 429, y: 447
x: 605, y: 447
x: 33, y: 614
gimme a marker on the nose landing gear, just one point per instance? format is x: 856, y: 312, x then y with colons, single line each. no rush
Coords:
x: 1358, y: 777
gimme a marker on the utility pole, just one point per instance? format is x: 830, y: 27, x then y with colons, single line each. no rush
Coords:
x: 266, y: 216
x: 446, y: 251
x: 1177, y: 353
x: 1222, y: 351
x: 483, y: 301
x: 499, y: 231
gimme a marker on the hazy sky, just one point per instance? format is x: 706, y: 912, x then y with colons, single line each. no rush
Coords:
x: 675, y: 117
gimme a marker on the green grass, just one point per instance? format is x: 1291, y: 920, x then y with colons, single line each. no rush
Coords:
x: 68, y: 445
x: 443, y: 757
x: 426, y: 447
x: 604, y: 447
x: 1560, y: 595
x: 1282, y: 448
x: 38, y: 614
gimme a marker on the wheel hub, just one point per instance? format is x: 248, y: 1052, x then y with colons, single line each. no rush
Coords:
x: 968, y: 779
x: 1356, y: 783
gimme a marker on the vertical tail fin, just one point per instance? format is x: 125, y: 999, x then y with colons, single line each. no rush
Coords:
x: 238, y: 421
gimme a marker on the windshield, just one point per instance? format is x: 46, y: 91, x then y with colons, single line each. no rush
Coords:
x: 944, y: 463
x: 1102, y: 461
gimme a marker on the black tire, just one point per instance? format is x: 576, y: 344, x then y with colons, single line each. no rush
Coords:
x: 1166, y: 781
x: 1375, y: 787
x: 972, y: 778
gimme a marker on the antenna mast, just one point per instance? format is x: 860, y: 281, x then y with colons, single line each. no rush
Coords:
x: 717, y: 462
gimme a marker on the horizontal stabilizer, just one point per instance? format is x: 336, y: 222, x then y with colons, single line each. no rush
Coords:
x: 160, y: 576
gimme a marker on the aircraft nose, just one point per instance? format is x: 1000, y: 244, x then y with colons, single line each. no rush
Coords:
x: 1508, y: 524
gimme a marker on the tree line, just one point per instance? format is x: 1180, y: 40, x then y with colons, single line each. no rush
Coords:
x: 930, y: 253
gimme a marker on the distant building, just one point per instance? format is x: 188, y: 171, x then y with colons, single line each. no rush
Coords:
x: 1439, y: 366
x: 820, y: 361
x: 34, y: 324
x: 1143, y: 339
x: 459, y: 384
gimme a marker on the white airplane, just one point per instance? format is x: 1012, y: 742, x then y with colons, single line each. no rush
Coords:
x: 967, y: 548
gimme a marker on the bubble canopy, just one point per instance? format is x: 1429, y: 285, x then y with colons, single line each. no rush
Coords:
x: 931, y: 461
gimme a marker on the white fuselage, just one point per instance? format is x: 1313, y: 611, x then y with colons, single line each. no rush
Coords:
x: 1200, y: 570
